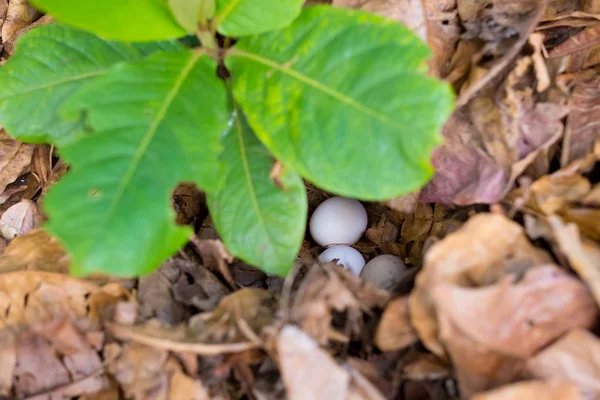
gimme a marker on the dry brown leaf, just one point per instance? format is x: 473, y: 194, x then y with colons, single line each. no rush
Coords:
x: 328, y: 288
x: 19, y: 15
x: 574, y: 359
x: 532, y: 390
x: 584, y: 256
x: 488, y: 299
x: 168, y: 293
x: 189, y: 204
x: 394, y: 331
x: 34, y: 251
x: 15, y: 158
x: 490, y: 331
x: 582, y: 131
x: 307, y: 371
x: 486, y: 248
x: 504, y: 26
x: 20, y: 219
x: 215, y: 257
x: 147, y: 373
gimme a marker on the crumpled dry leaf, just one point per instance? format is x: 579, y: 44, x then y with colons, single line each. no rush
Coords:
x: 189, y: 204
x: 145, y: 372
x: 490, y: 331
x: 488, y: 299
x: 34, y: 251
x: 394, y: 331
x: 583, y: 255
x: 532, y: 390
x: 169, y: 293
x: 573, y: 359
x: 329, y: 288
x: 499, y: 29
x: 15, y: 158
x: 435, y: 22
x: 50, y: 335
x: 493, y: 140
x: 582, y: 131
x: 19, y: 219
x: 18, y: 15
x: 307, y: 371
x: 215, y: 257
x: 52, y: 355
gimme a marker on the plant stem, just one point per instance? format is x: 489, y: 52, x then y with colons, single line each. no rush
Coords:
x: 206, y: 39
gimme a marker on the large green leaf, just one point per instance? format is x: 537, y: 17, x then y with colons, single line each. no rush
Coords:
x: 343, y: 98
x: 261, y: 223
x: 156, y: 123
x: 50, y: 63
x: 127, y: 20
x: 249, y: 17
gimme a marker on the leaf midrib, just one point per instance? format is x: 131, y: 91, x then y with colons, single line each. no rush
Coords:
x: 315, y: 84
x: 56, y: 83
x: 250, y: 184
x: 147, y: 139
x: 226, y: 11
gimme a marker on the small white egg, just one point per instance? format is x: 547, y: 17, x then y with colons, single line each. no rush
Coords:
x: 347, y: 257
x: 385, y: 271
x: 338, y: 220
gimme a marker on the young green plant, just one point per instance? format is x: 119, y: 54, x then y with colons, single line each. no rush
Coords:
x: 340, y: 98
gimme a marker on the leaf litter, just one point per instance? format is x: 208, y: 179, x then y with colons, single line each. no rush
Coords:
x: 500, y: 300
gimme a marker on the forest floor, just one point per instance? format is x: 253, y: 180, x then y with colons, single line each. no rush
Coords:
x: 500, y: 300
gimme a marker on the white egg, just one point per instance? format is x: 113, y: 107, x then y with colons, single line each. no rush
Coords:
x: 338, y: 220
x: 347, y: 257
x: 385, y: 271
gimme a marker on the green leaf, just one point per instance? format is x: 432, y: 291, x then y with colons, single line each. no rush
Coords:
x: 157, y: 123
x: 259, y: 222
x: 51, y: 63
x: 342, y: 97
x: 187, y: 12
x: 249, y: 17
x: 127, y: 20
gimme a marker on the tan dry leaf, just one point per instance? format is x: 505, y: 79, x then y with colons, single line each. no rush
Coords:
x: 574, y: 359
x: 328, y: 288
x: 34, y: 251
x: 19, y: 15
x: 490, y: 331
x: 308, y: 372
x: 394, y: 331
x: 485, y: 249
x: 20, y: 219
x: 215, y: 257
x: 582, y: 132
x: 533, y: 390
x: 15, y: 158
x: 583, y: 255
x: 168, y: 293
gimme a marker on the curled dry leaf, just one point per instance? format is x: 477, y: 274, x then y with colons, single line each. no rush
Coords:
x: 489, y: 332
x: 394, y: 331
x: 145, y: 372
x: 497, y: 31
x: 15, y: 158
x: 18, y: 15
x: 583, y: 255
x: 329, y: 288
x: 493, y: 140
x: 19, y: 219
x: 170, y: 292
x: 34, y: 251
x: 582, y: 131
x: 573, y: 359
x: 308, y: 372
x: 532, y: 390
x: 487, y: 299
x: 215, y: 257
